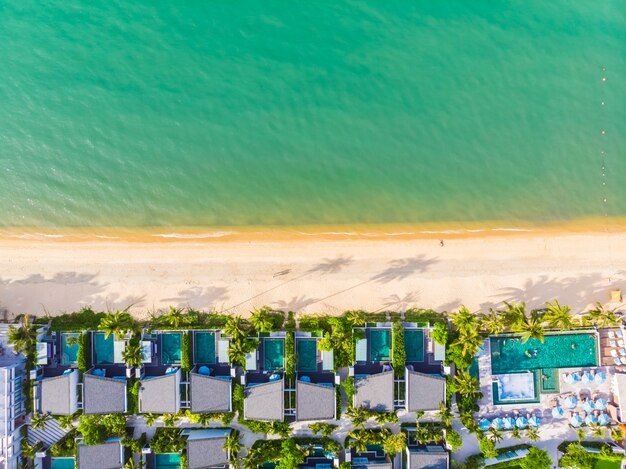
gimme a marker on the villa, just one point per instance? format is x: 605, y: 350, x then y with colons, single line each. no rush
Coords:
x: 425, y: 456
x: 108, y: 455
x: 424, y: 392
x: 315, y: 382
x: 208, y: 393
x: 373, y: 457
x: 264, y: 380
x: 57, y: 394
x: 104, y: 393
x: 205, y: 448
x: 160, y: 394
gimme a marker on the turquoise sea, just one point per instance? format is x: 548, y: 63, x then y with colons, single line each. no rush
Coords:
x: 240, y: 113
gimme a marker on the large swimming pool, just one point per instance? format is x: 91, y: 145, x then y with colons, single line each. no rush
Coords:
x: 511, y: 354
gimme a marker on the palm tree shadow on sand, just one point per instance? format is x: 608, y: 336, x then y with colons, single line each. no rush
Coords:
x: 399, y: 269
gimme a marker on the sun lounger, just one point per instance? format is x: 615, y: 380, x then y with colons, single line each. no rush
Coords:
x: 616, y: 361
x: 619, y: 334
x: 612, y: 343
x: 611, y: 335
x: 623, y: 360
x: 614, y: 353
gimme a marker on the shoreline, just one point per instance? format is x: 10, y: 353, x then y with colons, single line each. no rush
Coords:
x: 311, y: 274
x: 455, y: 230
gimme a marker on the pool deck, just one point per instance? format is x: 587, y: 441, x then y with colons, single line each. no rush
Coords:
x: 543, y: 407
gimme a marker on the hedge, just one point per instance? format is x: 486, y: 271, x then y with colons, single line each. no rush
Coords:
x: 83, y: 359
x: 398, y: 358
x: 132, y: 396
x: 85, y: 319
x: 186, y: 359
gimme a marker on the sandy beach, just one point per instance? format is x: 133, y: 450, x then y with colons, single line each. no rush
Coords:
x: 310, y: 275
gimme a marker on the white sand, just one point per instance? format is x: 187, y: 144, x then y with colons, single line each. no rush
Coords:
x: 310, y: 276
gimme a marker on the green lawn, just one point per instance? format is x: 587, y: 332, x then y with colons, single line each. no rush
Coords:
x: 605, y: 464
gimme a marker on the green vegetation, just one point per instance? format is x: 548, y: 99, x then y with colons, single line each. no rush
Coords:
x: 290, y: 347
x: 95, y: 429
x: 536, y: 459
x: 186, y: 359
x: 85, y: 319
x: 398, y: 353
x: 487, y: 447
x: 133, y: 354
x: 341, y: 338
x: 132, y: 396
x: 38, y: 421
x: 83, y: 360
x: 391, y: 443
x: 168, y: 440
x: 576, y: 455
x: 314, y: 323
x: 266, y: 320
x: 287, y: 453
x: 117, y: 323
x: 66, y: 446
x: 350, y: 390
x: 324, y: 429
x: 440, y: 333
x: 267, y: 428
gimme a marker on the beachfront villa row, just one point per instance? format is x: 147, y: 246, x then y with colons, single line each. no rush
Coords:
x: 571, y: 378
x: 423, y: 387
x: 268, y: 396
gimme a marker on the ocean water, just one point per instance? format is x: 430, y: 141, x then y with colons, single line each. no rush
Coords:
x: 241, y: 113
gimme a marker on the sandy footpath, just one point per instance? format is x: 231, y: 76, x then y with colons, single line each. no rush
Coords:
x: 310, y: 275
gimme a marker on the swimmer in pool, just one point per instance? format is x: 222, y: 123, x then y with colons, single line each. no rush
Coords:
x: 573, y: 346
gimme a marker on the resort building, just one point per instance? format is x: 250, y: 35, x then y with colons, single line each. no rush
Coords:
x: 57, y: 394
x: 421, y: 389
x: 373, y: 457
x: 11, y: 403
x: 210, y: 381
x: 425, y: 456
x: 205, y: 448
x: 264, y: 380
x: 160, y: 394
x: 209, y: 394
x: 104, y: 393
x: 315, y: 382
x: 424, y: 392
x: 108, y: 455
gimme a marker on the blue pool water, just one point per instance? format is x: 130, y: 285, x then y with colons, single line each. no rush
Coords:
x: 62, y: 463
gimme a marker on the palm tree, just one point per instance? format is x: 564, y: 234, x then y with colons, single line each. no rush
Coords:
x: 261, y: 321
x: 465, y: 384
x: 516, y: 433
x: 598, y: 431
x: 238, y: 349
x: 617, y: 434
x: 468, y: 342
x: 445, y: 414
x: 116, y: 323
x: 131, y: 464
x: 233, y: 444
x: 358, y: 415
x: 24, y: 337
x: 31, y: 450
x: 66, y: 421
x: 169, y: 420
x: 559, y: 316
x: 395, y: 443
x: 580, y: 434
x: 236, y: 328
x: 358, y: 443
x: 493, y: 322
x: 514, y: 313
x: 531, y: 327
x: 175, y: 317
x: 495, y: 435
x: 38, y: 421
x: 533, y: 434
x: 203, y: 419
x: 465, y: 321
x: 133, y: 353
x: 150, y: 419
x: 356, y: 318
x: 603, y: 317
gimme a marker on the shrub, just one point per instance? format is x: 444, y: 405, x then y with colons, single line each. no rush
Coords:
x: 290, y: 356
x: 168, y: 440
x: 83, y: 360
x: 238, y: 397
x: 454, y: 440
x: 115, y: 424
x: 186, y: 358
x: 440, y: 333
x: 314, y: 323
x: 132, y: 396
x: 66, y: 446
x: 92, y: 429
x: 398, y: 359
x: 348, y: 386
x: 85, y: 319
x: 325, y: 429
x: 487, y: 447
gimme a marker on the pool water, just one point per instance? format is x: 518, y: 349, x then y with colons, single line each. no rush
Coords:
x: 380, y: 345
x: 510, y: 354
x: 508, y: 391
x: 167, y: 460
x: 103, y: 349
x: 204, y: 347
x: 273, y: 354
x: 62, y: 463
x: 69, y: 353
x: 307, y: 354
x: 414, y: 345
x: 549, y: 380
x: 171, y: 348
